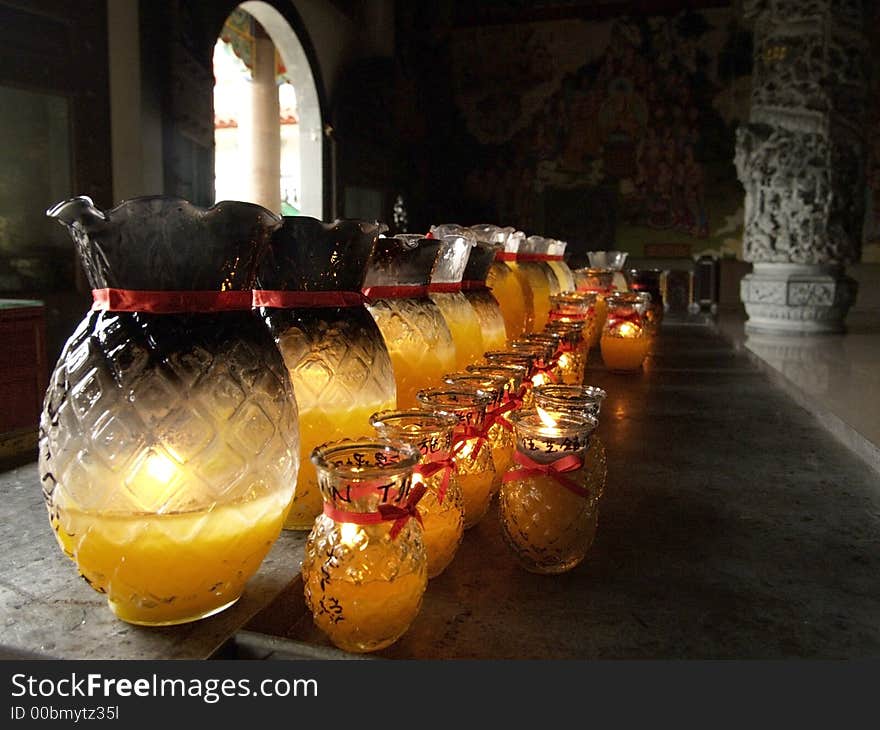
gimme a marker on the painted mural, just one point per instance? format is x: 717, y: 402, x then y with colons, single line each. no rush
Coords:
x: 637, y: 113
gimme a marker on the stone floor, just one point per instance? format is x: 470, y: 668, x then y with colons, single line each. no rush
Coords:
x: 734, y: 525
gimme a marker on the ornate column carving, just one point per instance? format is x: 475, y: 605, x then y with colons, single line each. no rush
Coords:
x: 801, y: 159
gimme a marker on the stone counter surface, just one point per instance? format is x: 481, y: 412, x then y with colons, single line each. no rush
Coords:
x: 733, y: 526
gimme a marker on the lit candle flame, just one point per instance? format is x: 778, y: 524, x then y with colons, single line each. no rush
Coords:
x: 149, y: 485
x: 628, y: 329
x: 546, y: 418
x: 564, y: 360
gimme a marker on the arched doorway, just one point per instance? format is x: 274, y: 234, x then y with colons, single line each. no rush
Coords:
x: 268, y: 123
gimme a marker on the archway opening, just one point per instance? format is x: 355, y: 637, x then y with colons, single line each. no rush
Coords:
x: 267, y: 116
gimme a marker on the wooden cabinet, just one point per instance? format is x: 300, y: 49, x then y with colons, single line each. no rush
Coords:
x: 23, y: 375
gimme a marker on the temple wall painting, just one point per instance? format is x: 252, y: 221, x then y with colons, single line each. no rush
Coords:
x: 633, y: 120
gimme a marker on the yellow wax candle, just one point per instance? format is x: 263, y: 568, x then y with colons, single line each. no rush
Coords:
x: 627, y: 351
x: 549, y: 527
x: 476, y: 476
x: 539, y: 285
x: 362, y: 601
x: 464, y: 326
x: 317, y: 424
x: 442, y: 522
x: 160, y: 569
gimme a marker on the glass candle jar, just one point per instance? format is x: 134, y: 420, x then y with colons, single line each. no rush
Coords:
x: 613, y: 260
x: 475, y: 290
x: 310, y: 296
x: 571, y: 352
x: 442, y: 506
x: 651, y: 282
x: 168, y: 439
x: 445, y: 292
x: 418, y: 340
x: 508, y: 284
x: 625, y: 336
x: 531, y: 259
x: 583, y: 401
x: 549, y: 514
x: 498, y: 428
x: 556, y: 261
x: 365, y: 567
x: 601, y: 283
x: 519, y: 358
x: 471, y: 450
x: 545, y: 368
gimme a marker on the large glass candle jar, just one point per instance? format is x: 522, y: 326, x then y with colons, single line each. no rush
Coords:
x: 583, y: 401
x: 473, y: 286
x: 531, y: 259
x: 471, y: 449
x: 442, y: 506
x: 168, y: 438
x: 549, y: 513
x: 556, y: 262
x: 601, y: 283
x: 365, y: 567
x: 445, y: 292
x: 499, y: 431
x: 415, y: 333
x: 507, y: 283
x: 310, y: 297
x: 625, y: 336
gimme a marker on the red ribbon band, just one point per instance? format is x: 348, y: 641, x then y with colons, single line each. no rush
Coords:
x: 505, y: 256
x: 438, y: 461
x: 631, y: 317
x: 536, y: 257
x: 307, y: 299
x: 474, y: 286
x: 445, y: 287
x: 400, y: 291
x: 557, y: 314
x: 169, y: 302
x: 386, y: 513
x: 555, y: 469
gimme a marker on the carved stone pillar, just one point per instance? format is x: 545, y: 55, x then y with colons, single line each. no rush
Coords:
x: 801, y: 159
x: 266, y: 125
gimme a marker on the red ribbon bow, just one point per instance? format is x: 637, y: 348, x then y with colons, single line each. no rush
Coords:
x: 496, y: 414
x: 555, y: 469
x: 463, y: 434
x: 631, y: 317
x: 401, y: 515
x: 546, y: 368
x: 567, y: 313
x: 438, y: 461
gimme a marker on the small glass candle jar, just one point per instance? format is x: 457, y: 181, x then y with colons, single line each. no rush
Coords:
x: 520, y: 358
x: 571, y: 352
x: 365, y: 567
x: 582, y: 401
x: 442, y: 506
x: 599, y: 282
x: 498, y: 429
x: 650, y: 281
x: 625, y: 337
x: 545, y: 369
x: 549, y: 514
x: 613, y: 260
x: 471, y: 450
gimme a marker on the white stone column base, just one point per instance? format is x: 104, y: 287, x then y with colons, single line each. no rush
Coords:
x: 797, y: 299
